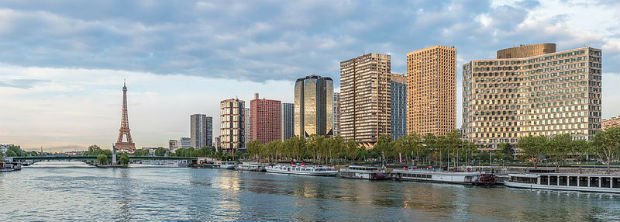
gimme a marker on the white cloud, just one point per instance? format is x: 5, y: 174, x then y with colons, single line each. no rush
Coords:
x: 82, y: 106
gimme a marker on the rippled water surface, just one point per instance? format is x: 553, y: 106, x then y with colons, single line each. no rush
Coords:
x: 182, y: 194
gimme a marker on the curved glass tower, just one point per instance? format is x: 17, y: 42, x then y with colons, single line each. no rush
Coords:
x: 313, y: 108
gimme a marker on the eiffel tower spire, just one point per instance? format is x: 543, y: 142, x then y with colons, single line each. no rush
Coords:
x: 124, y: 131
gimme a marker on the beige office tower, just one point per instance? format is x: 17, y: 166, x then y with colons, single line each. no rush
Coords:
x: 365, y: 98
x: 232, y: 127
x: 431, y: 90
x: 547, y: 94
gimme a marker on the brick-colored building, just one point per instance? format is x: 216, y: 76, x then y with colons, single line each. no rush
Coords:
x: 265, y: 118
x: 431, y: 90
x: 611, y: 122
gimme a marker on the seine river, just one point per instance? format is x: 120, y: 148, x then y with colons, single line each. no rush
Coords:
x: 183, y: 194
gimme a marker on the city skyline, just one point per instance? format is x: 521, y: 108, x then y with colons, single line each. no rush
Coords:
x: 63, y: 93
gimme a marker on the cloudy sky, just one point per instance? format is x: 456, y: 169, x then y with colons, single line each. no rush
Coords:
x: 62, y: 63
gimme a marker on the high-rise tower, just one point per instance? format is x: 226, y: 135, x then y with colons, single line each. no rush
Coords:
x: 431, y: 90
x: 313, y: 114
x: 365, y: 110
x: 124, y: 131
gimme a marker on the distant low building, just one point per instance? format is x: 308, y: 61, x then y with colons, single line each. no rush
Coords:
x: 216, y: 144
x: 173, y: 145
x: 185, y: 142
x: 5, y: 147
x: 611, y: 122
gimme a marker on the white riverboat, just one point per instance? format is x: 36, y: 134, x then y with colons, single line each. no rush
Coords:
x: 565, y: 181
x: 363, y: 172
x: 308, y: 170
x: 251, y: 166
x: 471, y: 178
x: 229, y: 165
x: 10, y: 166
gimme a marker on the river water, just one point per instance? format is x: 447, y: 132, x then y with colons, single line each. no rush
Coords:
x: 184, y: 194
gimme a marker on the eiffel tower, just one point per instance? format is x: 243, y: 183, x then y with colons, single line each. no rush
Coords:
x: 128, y: 146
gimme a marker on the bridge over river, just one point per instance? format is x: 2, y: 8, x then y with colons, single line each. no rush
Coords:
x: 92, y: 159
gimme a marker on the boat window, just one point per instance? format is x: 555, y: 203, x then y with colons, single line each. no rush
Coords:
x: 528, y: 180
x: 605, y: 182
x: 468, y: 178
x: 583, y: 181
x: 544, y: 180
x: 563, y: 180
x: 615, y: 182
x: 553, y: 180
x: 572, y: 181
x: 594, y: 181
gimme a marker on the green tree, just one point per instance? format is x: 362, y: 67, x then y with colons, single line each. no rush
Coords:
x: 102, y: 159
x: 506, y: 150
x: 141, y: 152
x: 124, y: 159
x: 254, y: 149
x: 402, y: 147
x: 559, y: 147
x: 160, y: 151
x: 534, y: 148
x: 352, y: 150
x: 15, y: 151
x: 11, y: 153
x: 607, y: 145
x: 93, y: 150
x: 583, y: 149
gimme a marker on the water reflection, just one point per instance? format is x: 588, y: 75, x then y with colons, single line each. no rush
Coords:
x: 125, y: 191
x: 60, y: 194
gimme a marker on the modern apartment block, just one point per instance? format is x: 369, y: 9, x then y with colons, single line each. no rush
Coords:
x: 365, y: 98
x: 546, y: 94
x: 431, y: 90
x: 201, y: 130
x: 398, y: 97
x: 266, y: 120
x: 611, y: 122
x: 313, y: 113
x: 288, y: 120
x: 232, y: 128
x: 336, y: 114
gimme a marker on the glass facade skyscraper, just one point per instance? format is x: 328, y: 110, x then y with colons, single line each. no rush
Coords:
x: 287, y: 120
x: 398, y: 97
x: 313, y: 114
